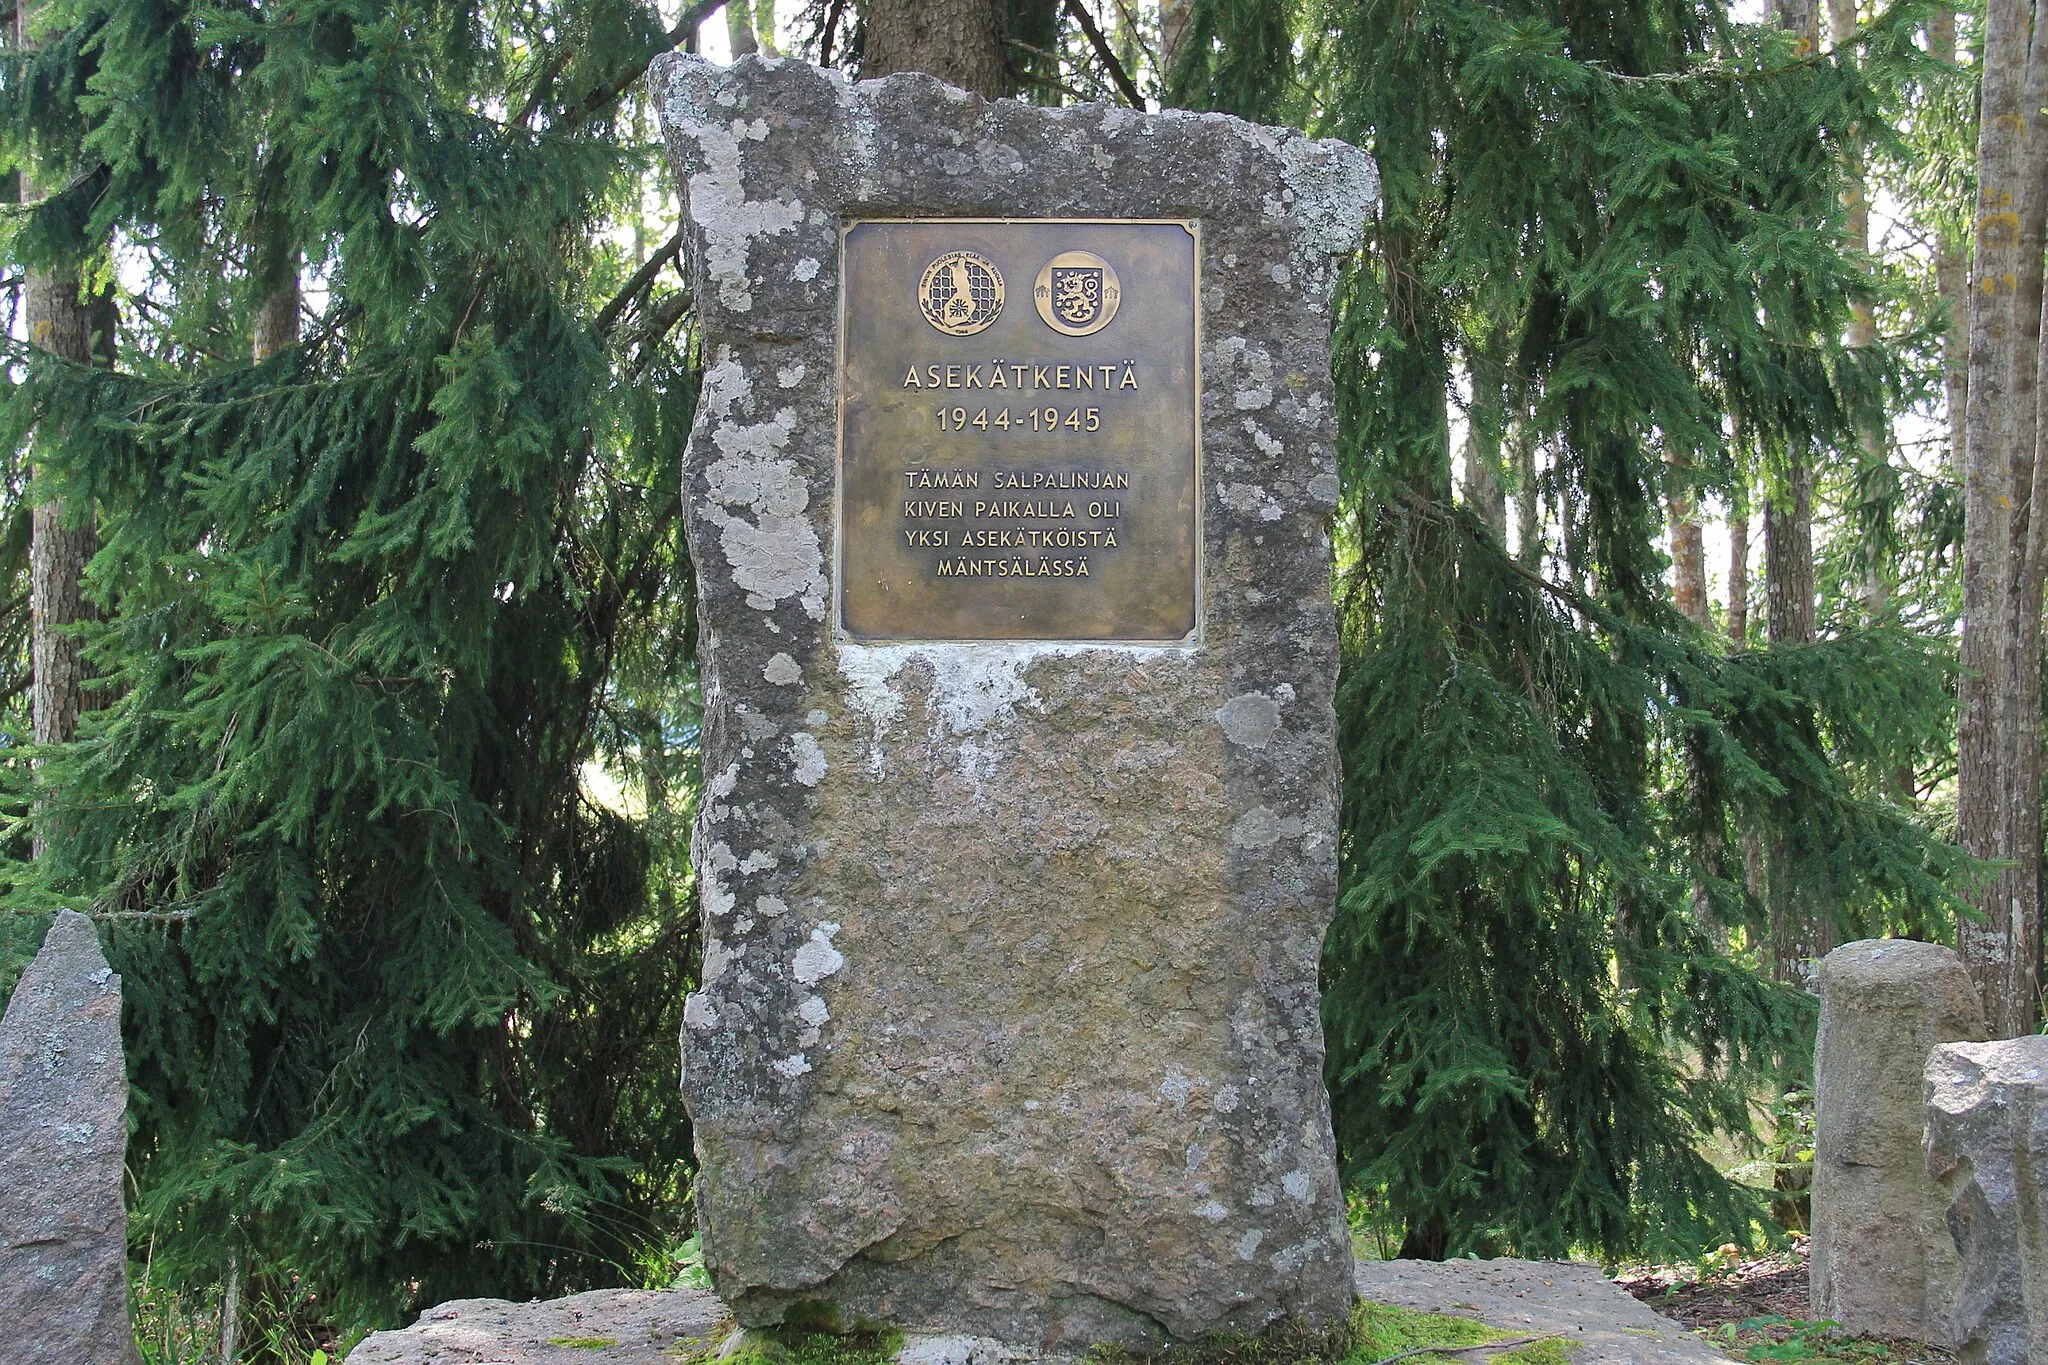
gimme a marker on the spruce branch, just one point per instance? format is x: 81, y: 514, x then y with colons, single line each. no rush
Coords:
x: 644, y: 276
x: 1103, y: 53
x: 602, y: 98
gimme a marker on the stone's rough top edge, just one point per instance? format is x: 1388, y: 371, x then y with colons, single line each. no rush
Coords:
x: 1334, y: 185
x: 1897, y: 970
x: 1885, y: 959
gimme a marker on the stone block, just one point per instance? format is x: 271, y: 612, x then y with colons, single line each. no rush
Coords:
x: 1882, y: 1260
x: 63, y: 1137
x: 1008, y: 1022
x: 1987, y: 1145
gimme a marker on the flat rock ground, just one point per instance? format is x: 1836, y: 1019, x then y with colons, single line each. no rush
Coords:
x: 650, y: 1327
x: 1568, y: 1299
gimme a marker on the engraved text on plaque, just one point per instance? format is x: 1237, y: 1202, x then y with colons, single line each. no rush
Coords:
x: 1019, y: 457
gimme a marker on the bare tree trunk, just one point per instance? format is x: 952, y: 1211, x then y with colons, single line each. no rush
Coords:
x: 1801, y: 930
x: 1788, y: 555
x: 1688, y: 542
x: 231, y: 1313
x: 959, y: 41
x: 1998, y: 727
x: 739, y: 27
x: 1951, y: 279
x: 1738, y: 570
x: 1485, y: 494
x: 62, y: 320
x: 1528, y: 499
x: 277, y: 322
x: 1173, y: 26
x: 1486, y: 420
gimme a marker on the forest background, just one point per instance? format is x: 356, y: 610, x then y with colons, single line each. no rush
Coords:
x: 347, y: 649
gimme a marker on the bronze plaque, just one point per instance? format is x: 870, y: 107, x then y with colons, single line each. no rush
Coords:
x: 1018, y: 441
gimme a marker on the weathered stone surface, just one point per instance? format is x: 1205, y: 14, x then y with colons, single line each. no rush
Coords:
x: 1882, y: 1259
x: 603, y: 1327
x: 1008, y: 1018
x: 63, y: 1136
x: 1987, y: 1145
x: 1600, y: 1321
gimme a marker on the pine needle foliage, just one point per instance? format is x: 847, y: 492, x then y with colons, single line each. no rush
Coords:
x: 401, y: 984
x: 1609, y: 232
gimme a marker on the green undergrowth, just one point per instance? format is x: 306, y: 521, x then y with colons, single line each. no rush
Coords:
x: 1374, y: 1332
x: 795, y: 1346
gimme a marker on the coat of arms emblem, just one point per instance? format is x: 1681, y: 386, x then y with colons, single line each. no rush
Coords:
x: 1077, y: 293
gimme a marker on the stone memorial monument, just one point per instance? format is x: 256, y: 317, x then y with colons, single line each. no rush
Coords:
x: 1010, y: 496
x: 1882, y: 1260
x: 63, y: 1138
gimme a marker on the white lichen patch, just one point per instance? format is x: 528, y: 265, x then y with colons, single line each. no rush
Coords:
x: 1324, y: 488
x: 729, y: 221
x: 1250, y: 720
x: 809, y: 758
x: 789, y: 376
x: 782, y: 671
x: 698, y: 1011
x: 816, y: 958
x: 812, y: 1011
x: 760, y: 860
x: 793, y: 1065
x: 770, y: 907
x: 1262, y: 827
x: 1248, y: 1245
x: 757, y: 499
x: 1249, y: 499
x: 1212, y: 1211
x: 1299, y: 1185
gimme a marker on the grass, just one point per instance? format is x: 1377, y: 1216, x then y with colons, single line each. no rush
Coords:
x: 1374, y: 1332
x: 583, y: 1343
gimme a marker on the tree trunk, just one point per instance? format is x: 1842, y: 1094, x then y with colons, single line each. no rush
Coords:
x: 1173, y: 26
x: 277, y: 322
x: 1485, y: 422
x: 739, y: 28
x: 1998, y: 726
x: 1738, y: 569
x: 959, y: 41
x: 1688, y: 542
x: 1951, y: 280
x: 1528, y: 499
x: 1801, y: 930
x: 63, y: 321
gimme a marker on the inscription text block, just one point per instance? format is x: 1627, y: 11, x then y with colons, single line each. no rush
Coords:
x: 1019, y: 457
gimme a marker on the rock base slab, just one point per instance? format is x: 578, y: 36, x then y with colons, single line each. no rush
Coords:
x: 1599, y: 1321
x: 643, y: 1327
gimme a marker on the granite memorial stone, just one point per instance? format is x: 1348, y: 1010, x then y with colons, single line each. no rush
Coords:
x: 1009, y: 495
x: 1882, y: 1259
x: 63, y: 1138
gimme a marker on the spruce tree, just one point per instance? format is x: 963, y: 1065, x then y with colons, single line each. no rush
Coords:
x: 402, y: 986
x: 1627, y: 220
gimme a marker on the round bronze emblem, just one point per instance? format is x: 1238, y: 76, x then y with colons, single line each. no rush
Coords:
x: 961, y: 293
x: 1077, y: 293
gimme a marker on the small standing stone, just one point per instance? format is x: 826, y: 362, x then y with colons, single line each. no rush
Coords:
x: 1987, y: 1140
x: 63, y: 1135
x: 1883, y: 1261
